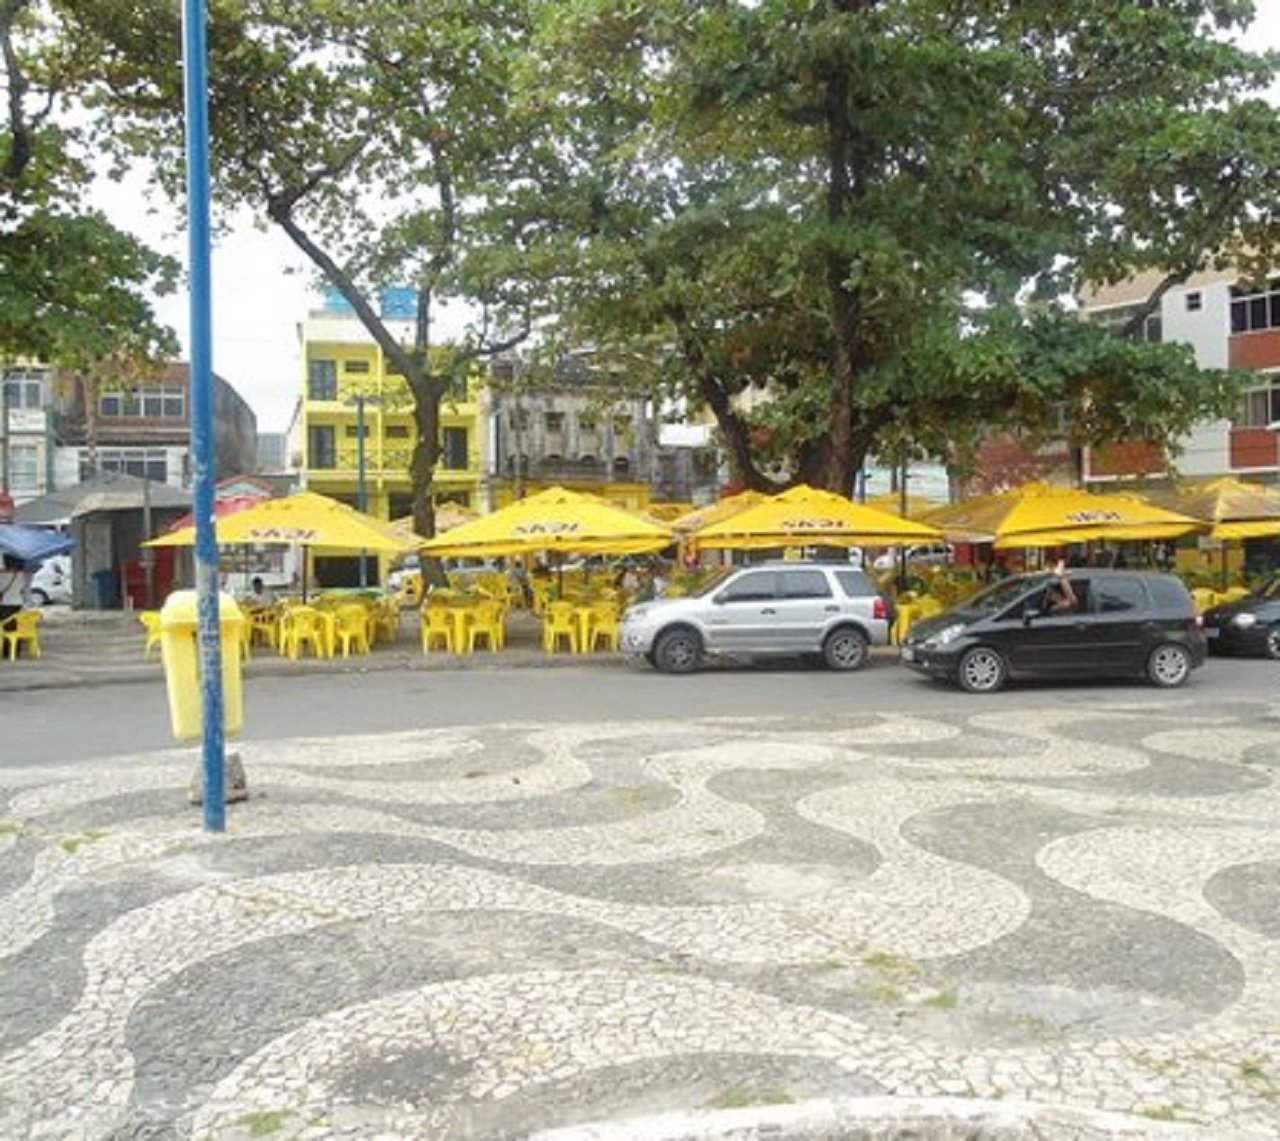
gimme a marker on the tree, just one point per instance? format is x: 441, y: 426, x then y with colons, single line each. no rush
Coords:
x: 369, y: 133
x: 74, y: 289
x: 869, y: 211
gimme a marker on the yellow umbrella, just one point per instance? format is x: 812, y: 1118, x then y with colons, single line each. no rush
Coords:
x: 918, y: 507
x: 721, y: 509
x: 806, y: 516
x: 304, y: 519
x: 553, y: 520
x: 448, y: 516
x: 1041, y: 515
x: 1233, y: 508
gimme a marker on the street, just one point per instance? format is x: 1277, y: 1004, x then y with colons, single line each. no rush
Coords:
x: 59, y: 725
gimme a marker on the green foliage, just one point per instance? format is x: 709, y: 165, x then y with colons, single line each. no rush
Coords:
x: 865, y: 215
x: 373, y: 135
x: 74, y: 290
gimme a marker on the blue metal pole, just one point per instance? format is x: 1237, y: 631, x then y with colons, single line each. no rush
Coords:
x: 214, y: 796
x: 361, y: 499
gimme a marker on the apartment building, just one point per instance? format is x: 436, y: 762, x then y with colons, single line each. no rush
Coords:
x: 1228, y: 324
x: 26, y: 431
x: 353, y: 433
x: 583, y: 429
x: 142, y: 426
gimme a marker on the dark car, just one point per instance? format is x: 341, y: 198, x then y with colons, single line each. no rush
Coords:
x: 1125, y: 624
x: 1250, y: 625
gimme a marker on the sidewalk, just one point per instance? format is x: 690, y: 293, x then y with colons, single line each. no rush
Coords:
x: 1007, y: 923
x: 103, y: 647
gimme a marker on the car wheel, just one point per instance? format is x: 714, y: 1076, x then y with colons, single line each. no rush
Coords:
x: 1169, y: 665
x: 1272, y: 645
x: 845, y: 649
x: 677, y: 652
x: 981, y: 670
x: 39, y: 597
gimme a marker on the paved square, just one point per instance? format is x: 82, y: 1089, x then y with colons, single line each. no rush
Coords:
x: 1071, y: 913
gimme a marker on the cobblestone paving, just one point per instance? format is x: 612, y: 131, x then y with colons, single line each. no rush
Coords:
x: 1062, y: 923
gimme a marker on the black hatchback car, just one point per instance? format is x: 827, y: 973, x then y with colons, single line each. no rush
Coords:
x: 1250, y: 625
x: 1126, y: 624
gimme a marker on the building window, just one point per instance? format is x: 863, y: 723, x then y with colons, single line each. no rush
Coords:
x: 26, y: 388
x: 1251, y: 313
x: 322, y: 380
x: 356, y: 368
x: 1116, y: 320
x: 1194, y: 302
x: 586, y: 422
x: 322, y: 451
x: 1261, y: 407
x: 146, y: 463
x: 553, y: 421
x: 155, y: 402
x: 397, y: 432
x: 453, y: 449
x: 622, y: 426
x: 24, y: 468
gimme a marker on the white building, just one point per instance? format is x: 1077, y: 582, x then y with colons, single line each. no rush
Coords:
x: 1227, y: 326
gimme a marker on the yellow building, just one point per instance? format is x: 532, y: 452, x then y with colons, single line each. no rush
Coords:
x: 348, y: 384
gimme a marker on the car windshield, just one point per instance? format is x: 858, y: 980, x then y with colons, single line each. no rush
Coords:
x: 996, y: 598
x: 715, y: 577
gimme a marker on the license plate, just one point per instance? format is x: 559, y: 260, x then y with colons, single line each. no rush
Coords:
x: 1210, y: 631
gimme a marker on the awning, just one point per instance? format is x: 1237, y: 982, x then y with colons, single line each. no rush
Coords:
x: 32, y: 545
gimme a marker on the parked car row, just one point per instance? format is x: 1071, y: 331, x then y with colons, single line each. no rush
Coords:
x: 1115, y: 623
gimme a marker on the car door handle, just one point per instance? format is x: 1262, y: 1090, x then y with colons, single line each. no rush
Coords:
x: 831, y: 610
x: 768, y: 610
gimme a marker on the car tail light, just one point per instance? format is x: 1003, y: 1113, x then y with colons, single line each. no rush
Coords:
x: 878, y: 609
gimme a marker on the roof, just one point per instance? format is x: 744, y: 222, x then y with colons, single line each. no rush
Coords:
x: 112, y: 491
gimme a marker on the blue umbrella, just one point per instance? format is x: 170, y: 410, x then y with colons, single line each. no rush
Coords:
x: 32, y: 545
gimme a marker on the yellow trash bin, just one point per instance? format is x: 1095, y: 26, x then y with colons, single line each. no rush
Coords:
x: 179, y: 623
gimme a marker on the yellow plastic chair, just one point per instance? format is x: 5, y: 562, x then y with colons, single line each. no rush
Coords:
x: 604, y: 626
x: 486, y: 625
x: 264, y: 624
x: 904, y: 616
x: 385, y: 620
x: 560, y: 623
x: 929, y: 606
x: 150, y: 620
x: 351, y: 625
x: 20, y: 628
x: 1204, y: 598
x: 437, y: 626
x: 304, y: 626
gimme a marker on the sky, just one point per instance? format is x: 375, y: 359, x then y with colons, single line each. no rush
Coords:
x: 262, y: 287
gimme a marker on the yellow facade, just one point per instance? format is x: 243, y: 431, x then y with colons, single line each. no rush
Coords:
x: 347, y: 379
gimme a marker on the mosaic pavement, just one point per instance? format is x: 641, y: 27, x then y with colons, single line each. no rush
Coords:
x: 1068, y: 917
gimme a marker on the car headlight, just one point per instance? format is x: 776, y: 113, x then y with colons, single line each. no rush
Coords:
x: 634, y: 613
x: 1244, y: 621
x: 945, y: 636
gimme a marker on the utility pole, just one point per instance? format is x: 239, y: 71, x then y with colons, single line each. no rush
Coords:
x: 361, y: 498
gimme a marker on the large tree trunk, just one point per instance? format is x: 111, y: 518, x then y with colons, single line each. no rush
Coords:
x: 837, y: 470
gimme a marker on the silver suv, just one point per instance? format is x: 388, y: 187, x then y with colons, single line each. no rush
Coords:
x: 827, y: 610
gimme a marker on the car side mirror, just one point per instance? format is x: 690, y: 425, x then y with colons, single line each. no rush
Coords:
x: 1030, y: 613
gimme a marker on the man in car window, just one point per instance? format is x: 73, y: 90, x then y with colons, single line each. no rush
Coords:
x: 1059, y: 597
